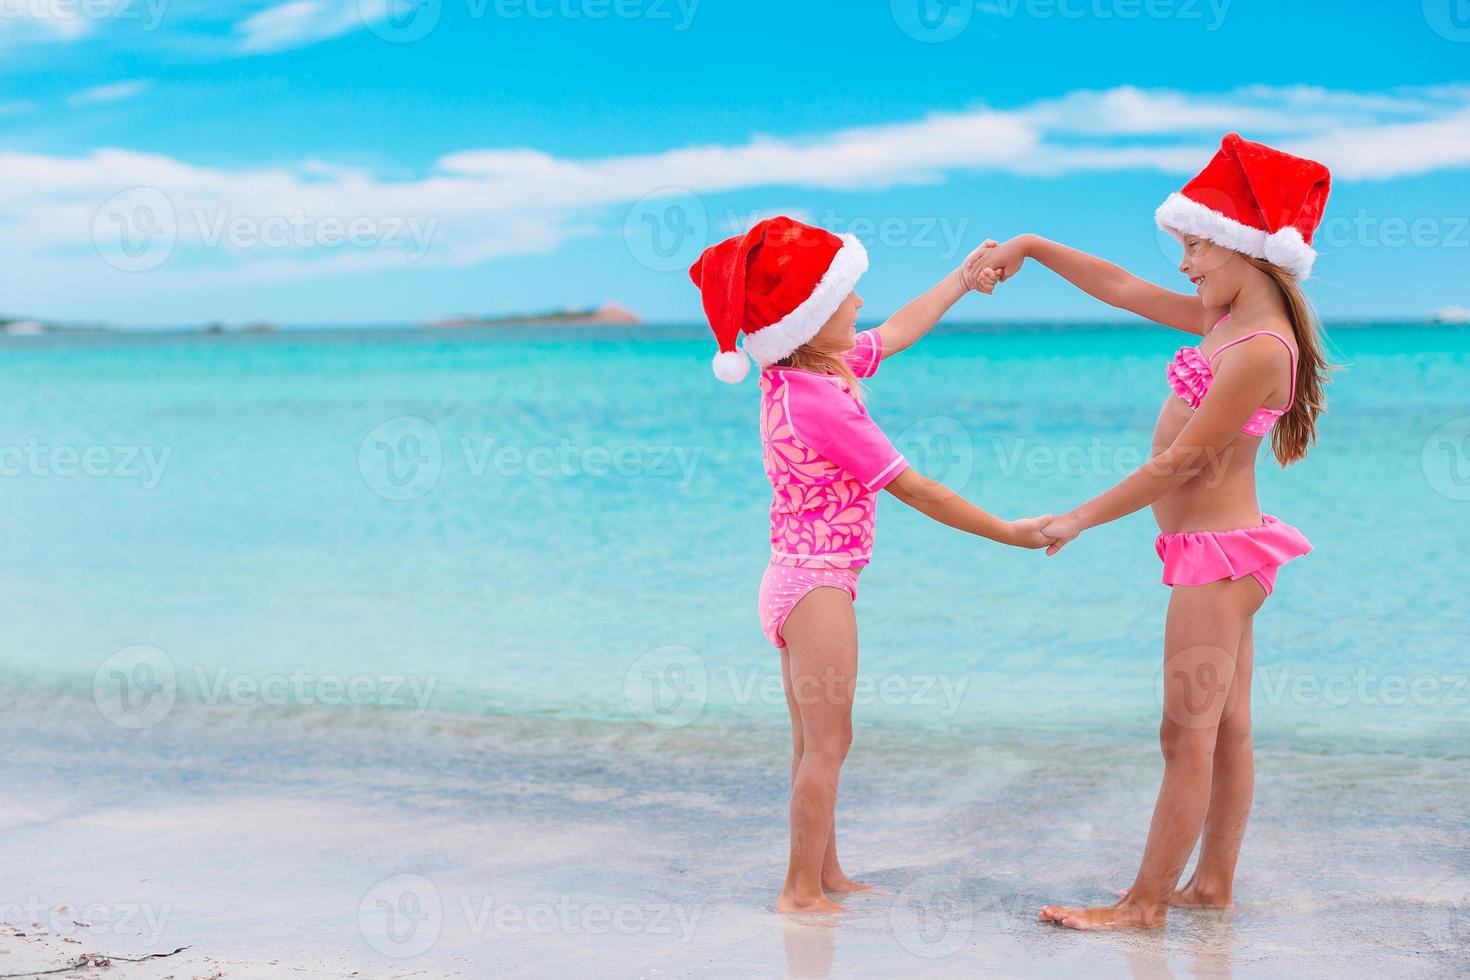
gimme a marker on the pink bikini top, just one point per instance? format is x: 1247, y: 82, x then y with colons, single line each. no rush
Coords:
x: 1190, y: 376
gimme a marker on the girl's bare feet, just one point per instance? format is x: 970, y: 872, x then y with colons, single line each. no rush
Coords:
x: 1124, y: 915
x: 841, y: 884
x: 1196, y: 896
x: 821, y: 903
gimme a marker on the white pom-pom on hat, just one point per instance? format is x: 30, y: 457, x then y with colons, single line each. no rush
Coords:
x: 731, y: 366
x: 1288, y: 249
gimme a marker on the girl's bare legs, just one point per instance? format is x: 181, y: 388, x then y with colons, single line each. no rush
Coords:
x: 1232, y: 787
x: 820, y: 671
x: 834, y: 879
x: 1202, y: 639
x: 1231, y: 791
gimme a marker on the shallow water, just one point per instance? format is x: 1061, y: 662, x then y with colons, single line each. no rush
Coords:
x: 550, y: 620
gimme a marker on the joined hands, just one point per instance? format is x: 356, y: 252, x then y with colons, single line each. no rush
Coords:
x: 993, y: 263
x: 1046, y: 531
x: 1061, y: 531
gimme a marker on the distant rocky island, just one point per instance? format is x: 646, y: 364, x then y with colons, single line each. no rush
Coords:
x: 607, y: 315
x: 218, y: 328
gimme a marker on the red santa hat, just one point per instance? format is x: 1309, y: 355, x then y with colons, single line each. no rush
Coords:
x: 778, y: 284
x: 1254, y: 200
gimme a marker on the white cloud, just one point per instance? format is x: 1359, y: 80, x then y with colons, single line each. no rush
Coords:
x: 1129, y: 111
x: 259, y: 26
x: 1392, y: 150
x: 478, y: 205
x: 112, y: 92
x: 53, y: 21
x: 42, y: 20
x: 298, y: 23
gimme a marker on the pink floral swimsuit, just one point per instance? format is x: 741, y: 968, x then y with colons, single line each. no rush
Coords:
x: 826, y: 460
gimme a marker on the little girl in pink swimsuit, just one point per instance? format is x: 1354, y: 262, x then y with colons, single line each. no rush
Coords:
x: 1246, y: 223
x: 788, y: 288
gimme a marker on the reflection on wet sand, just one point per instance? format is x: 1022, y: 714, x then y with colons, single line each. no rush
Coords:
x: 810, y: 946
x: 1210, y: 954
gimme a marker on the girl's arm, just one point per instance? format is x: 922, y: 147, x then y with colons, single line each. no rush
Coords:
x: 1098, y: 278
x: 1243, y: 382
x: 910, y: 324
x: 937, y: 501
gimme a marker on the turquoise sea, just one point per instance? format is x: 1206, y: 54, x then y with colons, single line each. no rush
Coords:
x: 375, y: 564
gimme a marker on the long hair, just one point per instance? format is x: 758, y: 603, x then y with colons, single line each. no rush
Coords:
x: 809, y: 357
x: 1297, y: 429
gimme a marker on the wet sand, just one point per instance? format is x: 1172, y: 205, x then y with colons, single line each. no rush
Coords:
x: 373, y: 844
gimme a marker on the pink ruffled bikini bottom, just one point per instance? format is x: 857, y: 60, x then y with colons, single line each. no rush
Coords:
x: 1202, y: 557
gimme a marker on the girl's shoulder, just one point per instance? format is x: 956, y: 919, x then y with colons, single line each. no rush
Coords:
x: 1265, y: 333
x: 810, y: 402
x: 800, y: 379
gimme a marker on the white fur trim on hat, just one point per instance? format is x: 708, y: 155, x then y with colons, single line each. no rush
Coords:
x: 1179, y: 216
x: 731, y: 366
x: 770, y: 344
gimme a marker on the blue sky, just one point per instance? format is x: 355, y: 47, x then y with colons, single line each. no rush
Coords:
x: 369, y: 161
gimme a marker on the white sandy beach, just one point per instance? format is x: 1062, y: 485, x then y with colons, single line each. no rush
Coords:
x: 376, y: 845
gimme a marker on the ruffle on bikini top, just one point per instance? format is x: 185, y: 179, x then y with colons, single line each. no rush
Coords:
x: 1189, y: 375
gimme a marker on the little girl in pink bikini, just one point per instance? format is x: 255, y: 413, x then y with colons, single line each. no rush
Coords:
x: 788, y: 288
x: 1246, y: 223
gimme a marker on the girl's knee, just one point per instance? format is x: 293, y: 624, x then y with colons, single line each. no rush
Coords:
x: 1186, y: 745
x: 832, y: 744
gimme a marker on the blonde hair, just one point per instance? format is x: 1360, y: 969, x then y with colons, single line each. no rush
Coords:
x: 1297, y: 429
x: 808, y: 357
